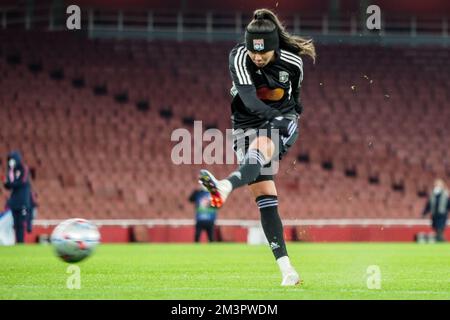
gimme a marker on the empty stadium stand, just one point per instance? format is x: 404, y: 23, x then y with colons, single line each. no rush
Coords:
x: 94, y: 120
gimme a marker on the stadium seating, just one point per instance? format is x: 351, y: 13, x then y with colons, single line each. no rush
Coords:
x: 374, y: 134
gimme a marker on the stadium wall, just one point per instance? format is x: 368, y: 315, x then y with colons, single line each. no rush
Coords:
x: 182, y: 231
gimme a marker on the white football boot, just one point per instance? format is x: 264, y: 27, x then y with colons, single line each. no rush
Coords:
x: 219, y: 189
x: 290, y: 277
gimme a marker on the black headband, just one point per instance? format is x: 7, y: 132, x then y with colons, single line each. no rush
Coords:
x: 261, y: 41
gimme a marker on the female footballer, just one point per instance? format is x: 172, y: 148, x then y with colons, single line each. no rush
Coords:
x: 266, y: 72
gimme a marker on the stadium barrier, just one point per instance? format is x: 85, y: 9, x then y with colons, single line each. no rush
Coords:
x: 217, y: 24
x: 182, y: 230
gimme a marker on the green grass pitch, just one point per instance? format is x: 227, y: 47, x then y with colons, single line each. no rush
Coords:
x: 229, y: 271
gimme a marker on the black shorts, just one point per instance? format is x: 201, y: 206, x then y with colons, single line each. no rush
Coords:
x: 242, y: 139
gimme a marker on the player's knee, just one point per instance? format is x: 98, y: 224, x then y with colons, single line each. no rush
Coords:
x: 265, y: 145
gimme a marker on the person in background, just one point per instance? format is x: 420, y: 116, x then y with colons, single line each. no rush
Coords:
x: 17, y: 181
x: 205, y: 214
x: 438, y: 204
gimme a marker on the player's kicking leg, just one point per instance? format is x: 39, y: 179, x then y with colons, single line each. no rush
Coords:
x: 260, y: 152
x: 265, y: 193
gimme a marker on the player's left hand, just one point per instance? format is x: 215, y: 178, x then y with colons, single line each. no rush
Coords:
x: 282, y: 124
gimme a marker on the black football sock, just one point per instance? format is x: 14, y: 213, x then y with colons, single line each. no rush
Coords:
x: 271, y: 223
x: 253, y: 162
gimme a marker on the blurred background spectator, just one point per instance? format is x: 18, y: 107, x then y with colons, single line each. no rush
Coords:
x: 205, y: 214
x: 438, y: 205
x: 17, y: 181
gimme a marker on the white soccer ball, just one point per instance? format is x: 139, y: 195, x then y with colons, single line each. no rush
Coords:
x: 75, y: 239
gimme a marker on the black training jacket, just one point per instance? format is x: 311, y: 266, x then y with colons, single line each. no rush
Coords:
x: 261, y: 94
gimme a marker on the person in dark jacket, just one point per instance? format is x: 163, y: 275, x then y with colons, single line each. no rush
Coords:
x: 17, y: 181
x: 439, y: 205
x: 205, y: 214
